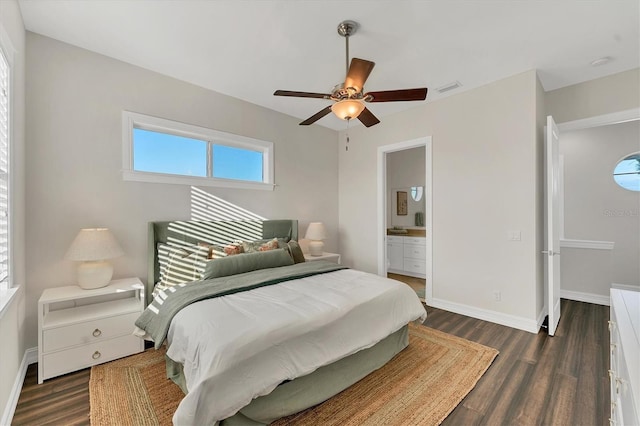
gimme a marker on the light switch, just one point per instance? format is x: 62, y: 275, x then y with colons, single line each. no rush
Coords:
x: 515, y: 236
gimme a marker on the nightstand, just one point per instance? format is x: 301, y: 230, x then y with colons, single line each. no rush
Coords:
x: 79, y: 328
x: 331, y: 257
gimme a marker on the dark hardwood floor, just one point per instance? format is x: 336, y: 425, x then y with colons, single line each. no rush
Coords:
x: 536, y: 379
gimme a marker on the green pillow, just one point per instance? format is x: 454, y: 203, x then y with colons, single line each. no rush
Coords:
x: 296, y: 252
x: 232, y: 265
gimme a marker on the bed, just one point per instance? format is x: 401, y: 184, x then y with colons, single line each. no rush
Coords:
x: 254, y: 343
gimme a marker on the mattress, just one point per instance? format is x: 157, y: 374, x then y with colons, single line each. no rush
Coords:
x: 241, y: 346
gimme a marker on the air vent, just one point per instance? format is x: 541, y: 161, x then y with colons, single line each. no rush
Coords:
x: 448, y: 87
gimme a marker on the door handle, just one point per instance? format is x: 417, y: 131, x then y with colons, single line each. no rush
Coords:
x: 551, y: 252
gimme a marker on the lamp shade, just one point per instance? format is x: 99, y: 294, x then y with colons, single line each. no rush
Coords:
x: 94, y: 244
x: 316, y: 231
x: 347, y: 109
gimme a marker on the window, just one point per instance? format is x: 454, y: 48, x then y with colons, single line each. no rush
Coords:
x: 627, y: 172
x: 165, y: 151
x: 5, y: 115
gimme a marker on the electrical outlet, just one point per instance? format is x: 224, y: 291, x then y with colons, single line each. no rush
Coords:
x: 497, y: 296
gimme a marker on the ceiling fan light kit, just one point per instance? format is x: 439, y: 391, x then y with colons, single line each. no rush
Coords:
x: 349, y: 97
x: 347, y: 109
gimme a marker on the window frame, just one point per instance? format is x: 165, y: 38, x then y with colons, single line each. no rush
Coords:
x: 7, y: 51
x: 131, y: 120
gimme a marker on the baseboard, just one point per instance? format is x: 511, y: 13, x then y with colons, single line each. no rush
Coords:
x: 625, y: 287
x: 30, y: 357
x: 532, y: 326
x: 580, y: 296
x: 541, y: 316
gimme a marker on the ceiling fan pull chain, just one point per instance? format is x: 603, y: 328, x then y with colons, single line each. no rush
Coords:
x: 347, y: 144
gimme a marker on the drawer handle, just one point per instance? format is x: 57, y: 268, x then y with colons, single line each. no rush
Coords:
x: 619, y: 383
x: 611, y: 374
x: 96, y: 355
x: 96, y: 332
x: 612, y: 324
x: 613, y: 348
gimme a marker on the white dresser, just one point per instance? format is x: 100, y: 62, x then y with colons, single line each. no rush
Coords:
x: 624, y: 374
x: 407, y: 255
x: 79, y: 328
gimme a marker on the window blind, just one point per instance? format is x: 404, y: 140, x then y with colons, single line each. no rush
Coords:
x: 4, y: 171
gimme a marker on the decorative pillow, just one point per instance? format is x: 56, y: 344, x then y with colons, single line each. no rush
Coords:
x: 213, y: 251
x: 262, y: 245
x: 179, y: 265
x: 296, y: 252
x: 232, y: 265
x: 233, y: 249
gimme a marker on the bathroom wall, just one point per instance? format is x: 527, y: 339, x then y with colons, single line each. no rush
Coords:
x: 404, y: 169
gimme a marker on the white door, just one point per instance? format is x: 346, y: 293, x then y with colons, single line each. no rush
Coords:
x: 552, y: 224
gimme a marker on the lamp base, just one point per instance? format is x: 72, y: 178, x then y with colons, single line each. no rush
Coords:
x: 316, y: 248
x: 93, y: 275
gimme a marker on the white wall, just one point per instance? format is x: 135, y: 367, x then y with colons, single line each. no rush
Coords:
x: 75, y: 99
x: 617, y: 92
x: 596, y: 208
x: 485, y: 178
x: 405, y: 169
x: 12, y: 329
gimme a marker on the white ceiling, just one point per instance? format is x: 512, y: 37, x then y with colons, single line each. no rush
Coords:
x: 250, y: 48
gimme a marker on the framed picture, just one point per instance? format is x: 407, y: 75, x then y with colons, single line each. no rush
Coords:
x: 402, y: 203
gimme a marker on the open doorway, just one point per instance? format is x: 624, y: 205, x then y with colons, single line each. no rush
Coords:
x: 599, y: 220
x: 405, y: 232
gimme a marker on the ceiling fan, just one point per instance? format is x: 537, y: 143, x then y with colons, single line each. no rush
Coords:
x: 349, y: 97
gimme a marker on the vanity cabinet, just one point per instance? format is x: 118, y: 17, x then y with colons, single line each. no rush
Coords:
x: 406, y: 255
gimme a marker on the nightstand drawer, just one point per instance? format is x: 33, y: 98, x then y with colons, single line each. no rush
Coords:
x: 88, y: 332
x: 61, y: 362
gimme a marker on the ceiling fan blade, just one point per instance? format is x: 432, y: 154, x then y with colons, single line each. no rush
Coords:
x: 301, y: 94
x: 397, y: 95
x: 317, y: 116
x: 359, y: 71
x: 367, y: 118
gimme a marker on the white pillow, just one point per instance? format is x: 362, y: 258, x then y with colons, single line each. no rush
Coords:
x: 179, y: 265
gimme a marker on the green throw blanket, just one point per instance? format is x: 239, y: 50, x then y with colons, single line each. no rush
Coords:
x: 155, y: 320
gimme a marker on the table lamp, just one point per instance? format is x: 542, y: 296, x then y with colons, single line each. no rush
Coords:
x: 93, y: 247
x: 316, y: 233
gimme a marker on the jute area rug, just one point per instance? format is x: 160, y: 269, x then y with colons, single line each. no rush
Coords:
x: 420, y: 386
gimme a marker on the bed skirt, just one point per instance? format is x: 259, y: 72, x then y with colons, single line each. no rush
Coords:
x: 306, y: 391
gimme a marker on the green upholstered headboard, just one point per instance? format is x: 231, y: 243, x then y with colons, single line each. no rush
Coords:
x: 212, y: 232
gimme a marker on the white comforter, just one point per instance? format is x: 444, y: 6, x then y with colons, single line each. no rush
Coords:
x: 241, y: 346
